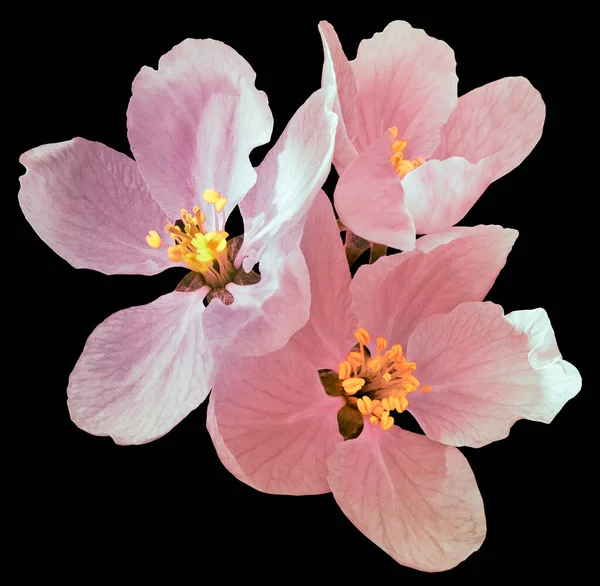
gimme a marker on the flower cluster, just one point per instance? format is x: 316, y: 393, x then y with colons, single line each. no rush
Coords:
x: 308, y: 368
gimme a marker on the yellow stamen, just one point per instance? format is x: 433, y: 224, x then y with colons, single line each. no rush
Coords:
x: 195, y: 247
x: 153, y: 239
x: 382, y: 382
x: 220, y: 204
x: 381, y: 344
x: 389, y: 423
x: 344, y: 370
x: 401, y: 165
x: 362, y: 336
x: 175, y: 253
x: 211, y: 196
x: 353, y: 385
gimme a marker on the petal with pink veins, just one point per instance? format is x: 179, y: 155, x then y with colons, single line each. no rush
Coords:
x: 90, y: 205
x: 499, y: 122
x: 143, y: 370
x: 415, y: 498
x: 329, y: 333
x: 337, y: 72
x: 370, y: 200
x: 407, y: 79
x: 391, y: 296
x: 289, y: 178
x: 487, y: 371
x: 439, y: 193
x: 192, y: 124
x: 273, y: 425
x: 263, y: 316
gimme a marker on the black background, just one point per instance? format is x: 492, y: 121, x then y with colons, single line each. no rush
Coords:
x: 89, y: 507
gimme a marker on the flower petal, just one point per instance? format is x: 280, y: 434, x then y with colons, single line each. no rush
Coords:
x: 391, y: 296
x: 337, y: 72
x: 329, y: 333
x: 193, y: 122
x: 500, y: 122
x: 289, y: 178
x: 407, y: 79
x: 414, y: 498
x: 273, y: 426
x: 90, y: 204
x: 142, y: 370
x: 439, y: 193
x: 264, y: 316
x: 487, y: 371
x: 370, y: 200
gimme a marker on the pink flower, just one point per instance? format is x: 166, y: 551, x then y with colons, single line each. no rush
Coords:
x: 415, y: 497
x: 192, y: 124
x: 412, y: 157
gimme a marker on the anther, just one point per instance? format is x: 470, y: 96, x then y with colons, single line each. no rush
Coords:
x: 153, y: 239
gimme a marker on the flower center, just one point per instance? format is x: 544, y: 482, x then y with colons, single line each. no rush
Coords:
x: 203, y: 252
x: 401, y: 165
x: 372, y: 386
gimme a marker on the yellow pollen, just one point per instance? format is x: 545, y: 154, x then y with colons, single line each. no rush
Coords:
x: 220, y: 204
x: 153, y: 239
x: 401, y: 165
x: 353, y: 385
x: 362, y: 336
x: 381, y: 383
x: 381, y: 344
x: 211, y: 196
x: 175, y: 253
x: 344, y: 370
x: 192, y: 245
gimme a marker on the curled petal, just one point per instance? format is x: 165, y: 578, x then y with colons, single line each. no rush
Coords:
x: 439, y: 193
x: 337, y: 72
x: 407, y: 79
x: 192, y: 124
x: 90, y: 204
x: 487, y: 371
x: 370, y: 200
x: 395, y: 293
x: 499, y: 122
x: 264, y: 316
x: 289, y: 178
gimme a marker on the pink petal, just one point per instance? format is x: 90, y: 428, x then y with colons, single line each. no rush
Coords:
x: 370, y: 200
x: 439, y: 193
x: 414, y: 498
x: 142, y: 370
x: 273, y: 426
x: 91, y: 206
x: 391, y: 296
x: 329, y: 333
x: 289, y: 178
x: 337, y: 72
x: 193, y: 122
x: 500, y: 122
x: 406, y: 79
x: 487, y: 371
x: 263, y: 316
